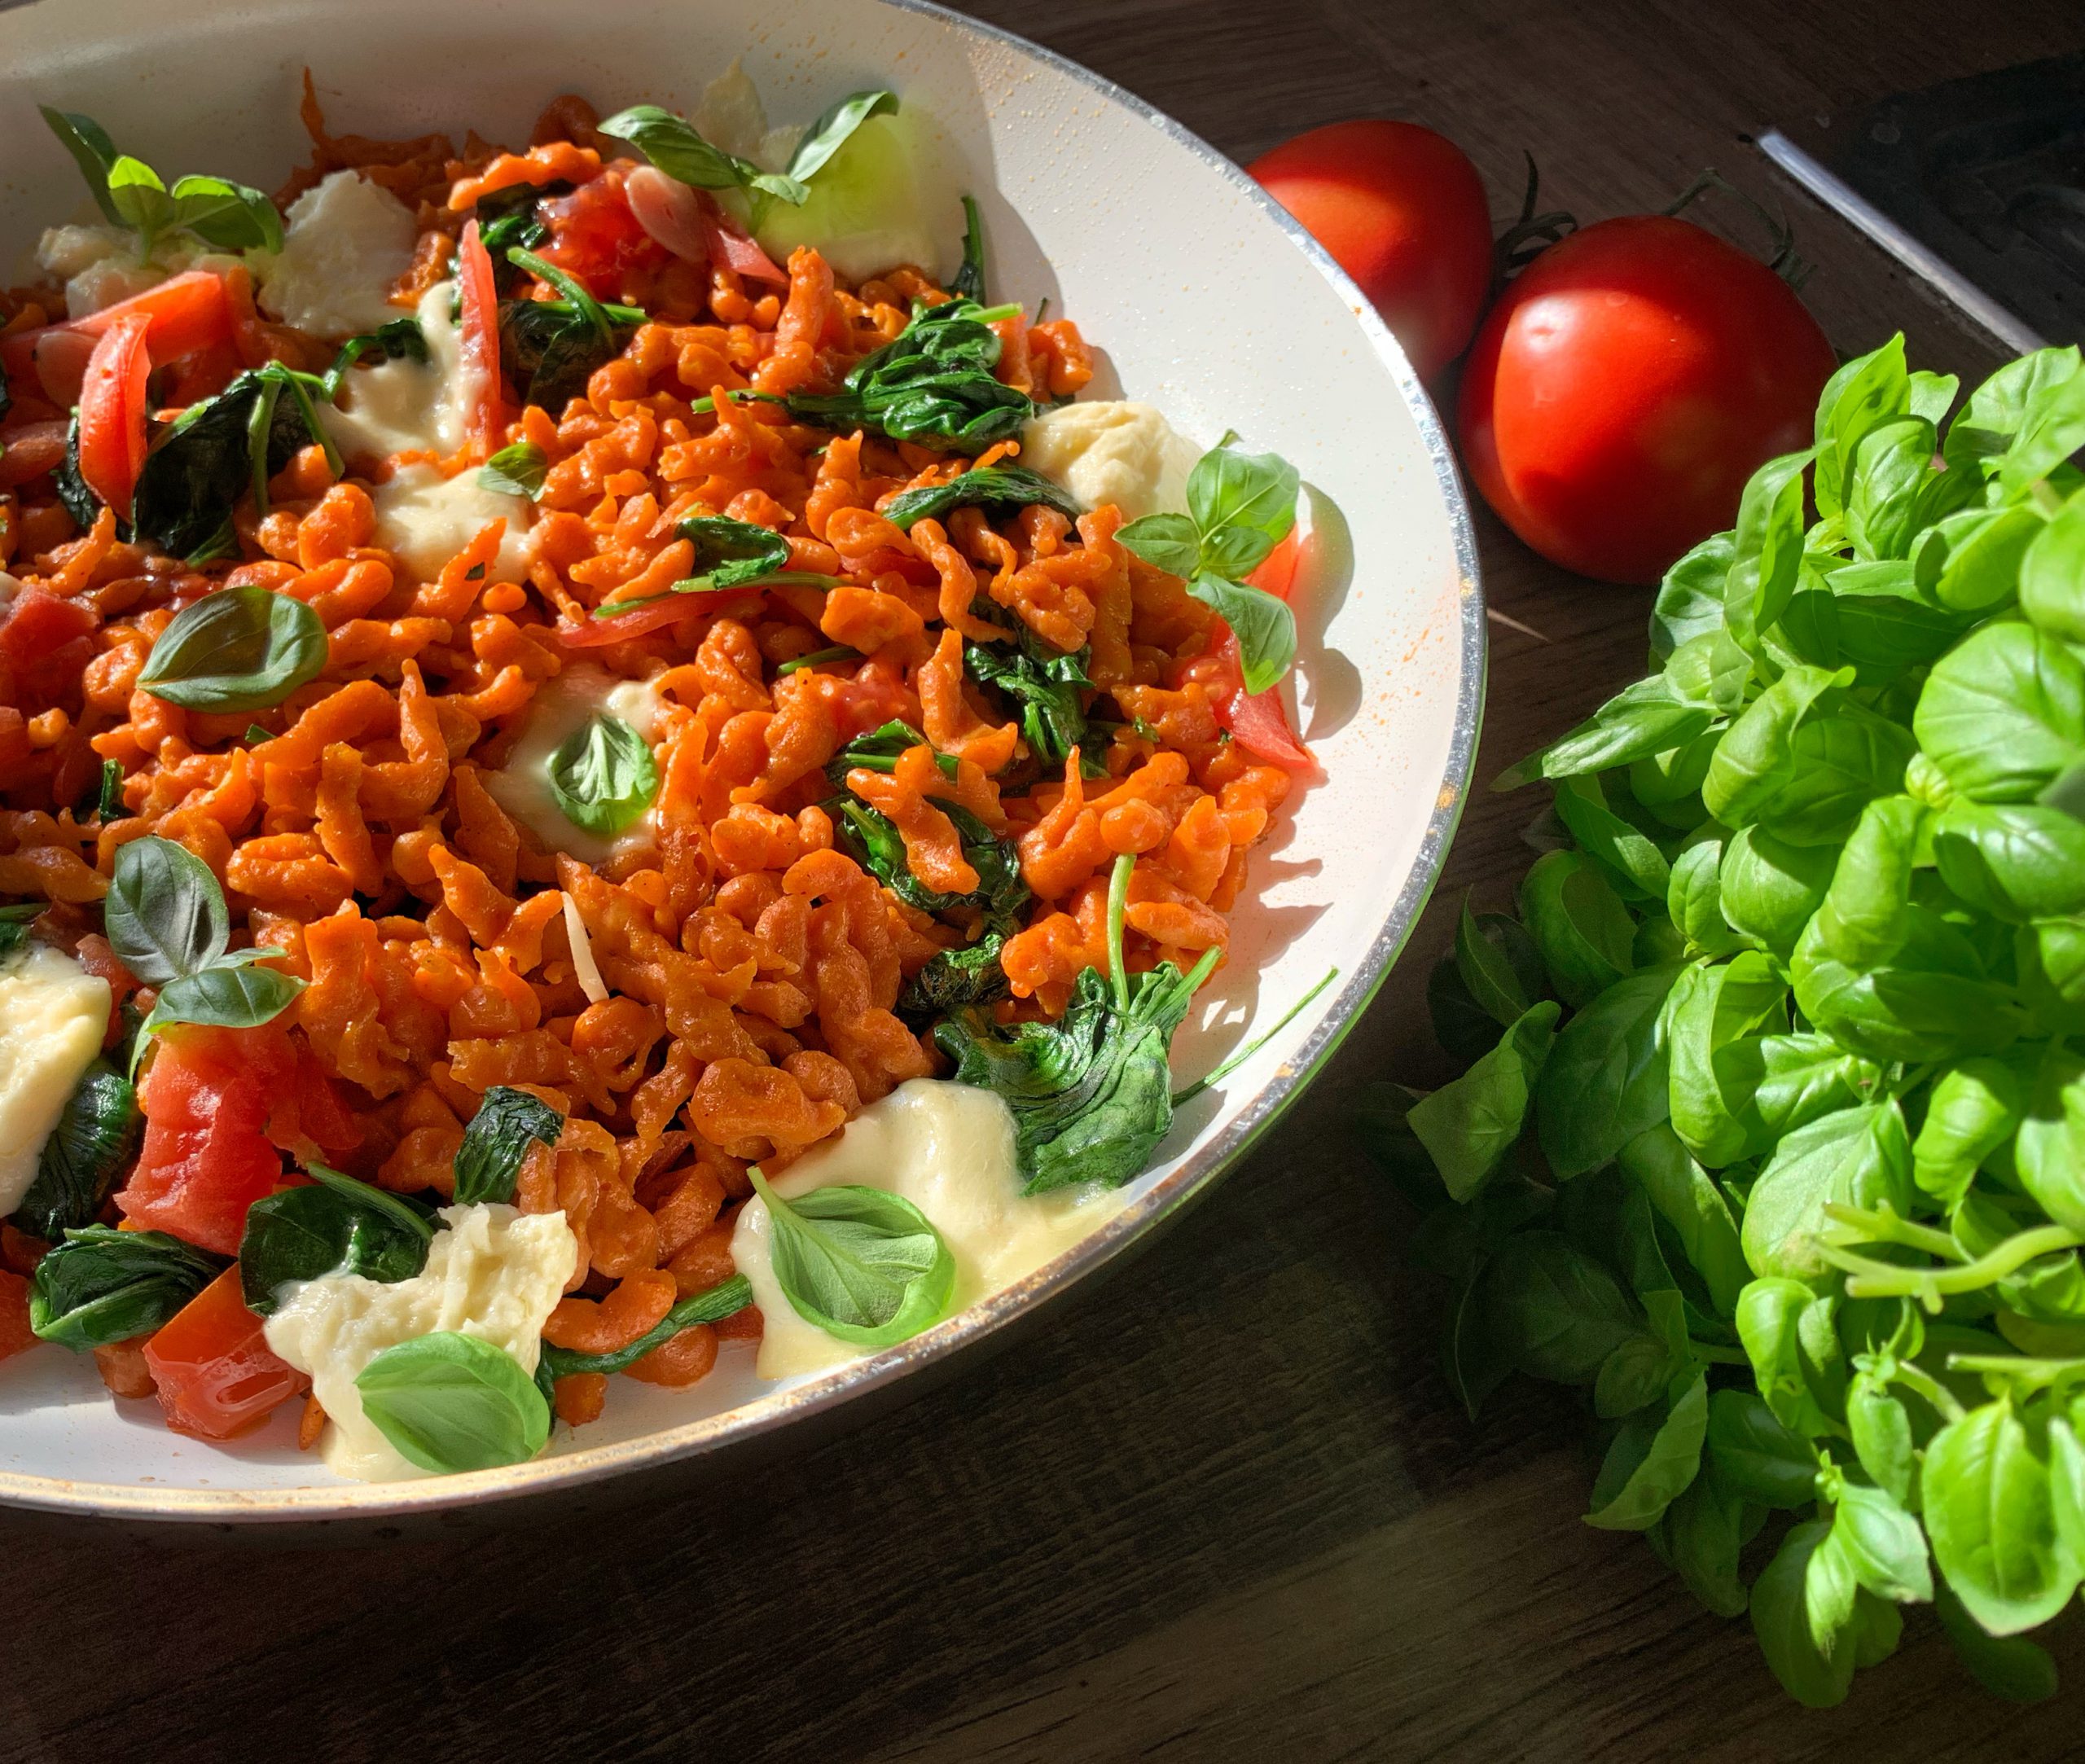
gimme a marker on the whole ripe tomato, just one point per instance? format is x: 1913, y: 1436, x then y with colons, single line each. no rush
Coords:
x: 1403, y: 211
x: 1627, y: 385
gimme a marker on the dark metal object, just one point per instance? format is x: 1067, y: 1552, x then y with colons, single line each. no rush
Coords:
x: 1989, y: 172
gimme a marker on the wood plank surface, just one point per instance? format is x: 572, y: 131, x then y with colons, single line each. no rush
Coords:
x: 1220, y: 1506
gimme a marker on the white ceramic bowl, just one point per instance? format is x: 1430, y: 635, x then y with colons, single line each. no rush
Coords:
x: 1207, y: 301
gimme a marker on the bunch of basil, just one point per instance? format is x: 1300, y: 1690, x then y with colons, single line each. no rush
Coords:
x: 1773, y: 1131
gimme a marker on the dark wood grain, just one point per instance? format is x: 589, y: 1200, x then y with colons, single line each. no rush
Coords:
x: 1223, y: 1507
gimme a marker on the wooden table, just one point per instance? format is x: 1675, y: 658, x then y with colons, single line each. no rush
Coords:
x: 1223, y: 1507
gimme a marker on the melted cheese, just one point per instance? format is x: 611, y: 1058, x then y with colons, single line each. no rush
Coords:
x: 347, y: 242
x: 948, y: 1148
x: 423, y: 519
x: 559, y: 710
x: 1110, y: 451
x: 405, y: 405
x: 53, y: 1015
x: 491, y: 1272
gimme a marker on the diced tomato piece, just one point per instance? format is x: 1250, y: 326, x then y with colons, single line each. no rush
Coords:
x: 15, y: 1334
x: 1276, y: 574
x: 1258, y: 721
x: 112, y: 412
x: 31, y: 450
x: 45, y: 641
x: 62, y: 357
x: 207, y: 1097
x: 215, y: 1375
x: 480, y: 328
x: 596, y: 238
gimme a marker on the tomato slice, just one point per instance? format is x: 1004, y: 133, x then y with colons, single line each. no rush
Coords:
x: 112, y: 412
x: 189, y: 312
x: 207, y: 1095
x: 216, y: 1376
x: 1258, y: 721
x: 481, y: 327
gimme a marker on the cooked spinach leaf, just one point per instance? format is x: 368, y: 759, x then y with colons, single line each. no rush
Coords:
x: 932, y: 384
x: 81, y: 502
x: 714, y: 1306
x: 336, y: 1226
x: 401, y: 340
x: 862, y: 1264
x: 732, y: 554
x: 1000, y: 894
x: 955, y: 980
x: 969, y: 281
x: 1092, y: 1093
x: 93, y: 1140
x: 878, y: 752
x: 549, y: 348
x: 1001, y: 491
x: 1043, y: 684
x: 102, y: 1286
x: 201, y: 465
x: 496, y: 1141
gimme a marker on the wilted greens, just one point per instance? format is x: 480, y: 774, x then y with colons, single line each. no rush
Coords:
x: 1773, y: 1131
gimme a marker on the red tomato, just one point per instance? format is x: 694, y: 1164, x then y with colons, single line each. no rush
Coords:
x: 1627, y: 385
x: 14, y: 1331
x: 189, y: 312
x: 207, y: 1095
x: 215, y: 1375
x: 45, y: 641
x: 31, y: 450
x: 112, y: 412
x: 596, y: 238
x: 1403, y: 211
x: 481, y: 327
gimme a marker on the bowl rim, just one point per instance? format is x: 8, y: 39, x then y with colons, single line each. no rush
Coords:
x: 1195, y: 1176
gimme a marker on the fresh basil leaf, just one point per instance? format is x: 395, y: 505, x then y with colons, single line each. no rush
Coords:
x: 1165, y: 541
x: 1769, y: 888
x: 1690, y: 603
x: 1686, y: 1198
x: 1091, y: 1093
x: 725, y: 1299
x: 1579, y: 926
x: 932, y: 384
x: 102, y: 1286
x: 232, y: 217
x: 92, y: 152
x: 1815, y: 1677
x: 2053, y: 430
x: 165, y: 913
x: 2049, y: 1154
x: 1651, y: 716
x: 1649, y: 1467
x: 1861, y: 920
x: 516, y: 470
x: 2010, y: 1666
x: 864, y: 1266
x: 672, y: 145
x: 1605, y: 1081
x: 1632, y: 1377
x: 1469, y: 1123
x: 1558, y: 1312
x: 1934, y: 1001
x: 1628, y: 853
x: 2016, y: 861
x: 1702, y: 1531
x: 1694, y: 901
x: 2004, y: 712
x: 90, y: 1148
x: 1002, y: 492
x: 1264, y: 626
x: 1754, y: 1455
x: 2052, y: 573
x: 1767, y: 549
x: 1858, y: 1157
x: 1716, y: 1022
x: 1499, y: 965
x: 830, y: 132
x: 241, y: 648
x: 1987, y: 424
x: 227, y: 997
x: 955, y: 980
x: 604, y: 777
x: 1865, y: 393
x: 1973, y: 1108
x: 1881, y: 1432
x: 141, y: 199
x: 1243, y: 505
x: 1987, y: 1505
x: 337, y: 1226
x: 448, y: 1402
x: 1892, y: 465
x: 489, y: 1162
x: 1807, y: 1076
x: 1804, y: 761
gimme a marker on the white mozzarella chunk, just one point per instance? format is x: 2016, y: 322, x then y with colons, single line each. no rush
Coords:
x: 347, y: 242
x: 53, y: 1015
x: 1113, y: 451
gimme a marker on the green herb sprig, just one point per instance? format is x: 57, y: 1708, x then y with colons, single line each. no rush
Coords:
x: 129, y: 193
x: 1772, y: 1134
